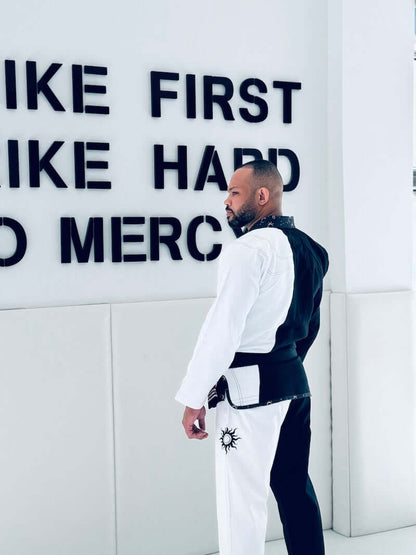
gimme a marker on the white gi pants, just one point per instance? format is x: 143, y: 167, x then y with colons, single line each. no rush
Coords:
x: 246, y: 443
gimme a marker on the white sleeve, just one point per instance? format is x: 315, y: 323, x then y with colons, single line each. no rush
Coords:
x: 239, y: 275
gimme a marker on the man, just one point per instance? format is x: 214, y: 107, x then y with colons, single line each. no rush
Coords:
x: 251, y: 348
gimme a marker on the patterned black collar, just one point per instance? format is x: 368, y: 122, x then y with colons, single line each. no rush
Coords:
x: 273, y: 221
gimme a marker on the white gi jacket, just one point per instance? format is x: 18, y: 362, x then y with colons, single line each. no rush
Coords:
x: 254, y: 292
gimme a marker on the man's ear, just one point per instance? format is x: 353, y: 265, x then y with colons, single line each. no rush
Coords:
x: 264, y: 195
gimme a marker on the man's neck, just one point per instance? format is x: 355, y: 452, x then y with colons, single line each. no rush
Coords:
x: 275, y: 212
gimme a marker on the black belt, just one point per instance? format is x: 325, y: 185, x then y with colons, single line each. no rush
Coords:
x: 283, y: 354
x: 282, y: 377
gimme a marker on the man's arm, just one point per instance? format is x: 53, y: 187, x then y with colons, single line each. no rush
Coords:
x: 304, y: 344
x: 220, y: 336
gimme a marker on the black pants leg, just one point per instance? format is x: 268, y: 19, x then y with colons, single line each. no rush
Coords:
x: 291, y: 485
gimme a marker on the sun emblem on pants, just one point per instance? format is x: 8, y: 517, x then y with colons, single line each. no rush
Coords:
x: 229, y: 439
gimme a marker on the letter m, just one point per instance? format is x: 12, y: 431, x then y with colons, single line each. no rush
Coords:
x: 94, y: 239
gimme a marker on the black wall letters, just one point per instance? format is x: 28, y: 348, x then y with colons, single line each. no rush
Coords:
x: 35, y: 164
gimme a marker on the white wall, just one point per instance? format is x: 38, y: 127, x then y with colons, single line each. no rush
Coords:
x: 373, y: 389
x: 414, y: 242
x: 56, y: 432
x: 172, y: 492
x: 74, y: 434
x: 370, y: 138
x: 271, y: 41
x: 63, y: 442
x: 64, y: 419
x: 370, y: 213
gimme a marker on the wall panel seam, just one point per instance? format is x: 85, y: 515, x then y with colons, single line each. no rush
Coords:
x: 328, y: 317
x: 114, y: 431
x: 348, y: 412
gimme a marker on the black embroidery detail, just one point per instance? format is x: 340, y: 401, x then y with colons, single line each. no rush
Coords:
x: 229, y: 439
x: 283, y: 222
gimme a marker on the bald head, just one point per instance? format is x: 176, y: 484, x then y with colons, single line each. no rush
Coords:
x: 255, y: 191
x: 265, y: 174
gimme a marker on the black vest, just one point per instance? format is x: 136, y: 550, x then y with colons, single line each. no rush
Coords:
x: 281, y: 371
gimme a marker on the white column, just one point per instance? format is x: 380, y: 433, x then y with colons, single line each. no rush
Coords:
x: 370, y: 215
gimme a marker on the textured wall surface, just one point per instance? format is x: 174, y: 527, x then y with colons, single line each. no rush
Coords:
x: 58, y: 432
x: 373, y: 391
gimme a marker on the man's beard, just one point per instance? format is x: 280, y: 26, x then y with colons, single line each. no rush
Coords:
x: 244, y: 216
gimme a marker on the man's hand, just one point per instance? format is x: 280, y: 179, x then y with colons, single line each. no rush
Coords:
x: 188, y: 421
